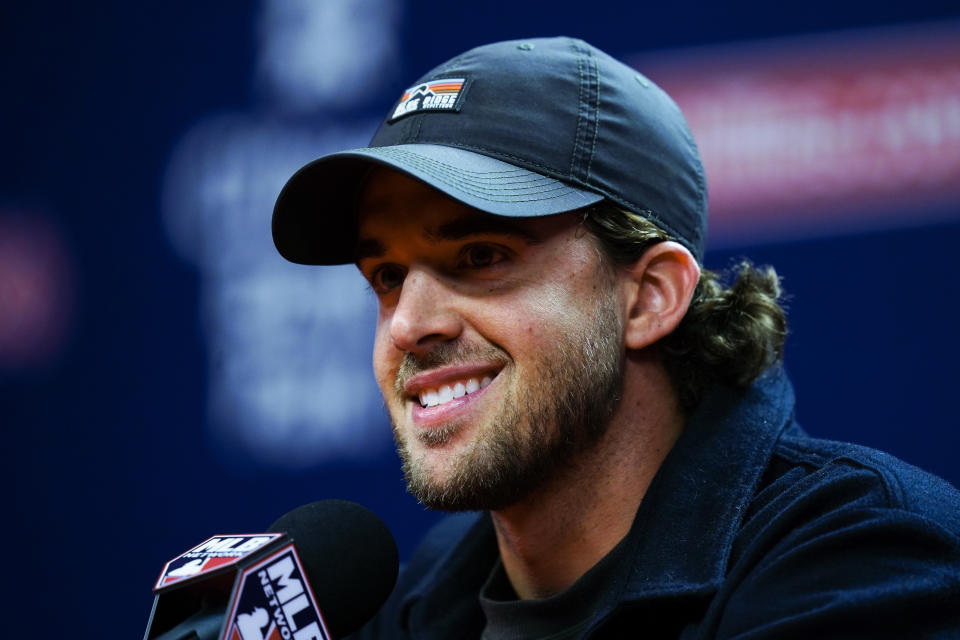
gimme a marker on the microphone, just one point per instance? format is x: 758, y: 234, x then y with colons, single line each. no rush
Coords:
x: 263, y: 587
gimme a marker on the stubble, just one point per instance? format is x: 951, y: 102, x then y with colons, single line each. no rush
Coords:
x: 561, y: 407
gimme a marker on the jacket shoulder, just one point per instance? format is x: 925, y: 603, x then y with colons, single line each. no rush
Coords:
x: 861, y: 477
x: 836, y: 530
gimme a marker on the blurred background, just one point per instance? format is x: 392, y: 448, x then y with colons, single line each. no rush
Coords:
x: 165, y: 376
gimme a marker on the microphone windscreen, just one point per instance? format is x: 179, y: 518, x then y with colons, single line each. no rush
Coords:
x: 349, y: 556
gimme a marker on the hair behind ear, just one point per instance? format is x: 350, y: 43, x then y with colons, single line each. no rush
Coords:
x: 730, y: 334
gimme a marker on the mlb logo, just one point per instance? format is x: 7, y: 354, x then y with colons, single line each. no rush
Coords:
x: 211, y: 555
x: 436, y: 95
x: 274, y: 601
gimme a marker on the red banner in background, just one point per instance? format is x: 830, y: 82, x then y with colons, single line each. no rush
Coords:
x: 823, y: 134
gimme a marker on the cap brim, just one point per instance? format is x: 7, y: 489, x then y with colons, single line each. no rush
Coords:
x: 314, y: 217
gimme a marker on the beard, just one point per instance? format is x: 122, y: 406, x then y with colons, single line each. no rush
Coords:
x: 541, y: 427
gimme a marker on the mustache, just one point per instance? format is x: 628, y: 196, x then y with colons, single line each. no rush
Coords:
x: 444, y: 354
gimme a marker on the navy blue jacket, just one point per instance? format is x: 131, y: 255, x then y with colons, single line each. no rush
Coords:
x: 750, y: 529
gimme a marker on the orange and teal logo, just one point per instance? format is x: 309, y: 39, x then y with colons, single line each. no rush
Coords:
x: 436, y: 95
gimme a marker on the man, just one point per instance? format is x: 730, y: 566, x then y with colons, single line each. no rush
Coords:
x: 531, y: 217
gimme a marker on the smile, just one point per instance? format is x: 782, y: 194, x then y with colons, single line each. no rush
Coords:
x: 448, y: 392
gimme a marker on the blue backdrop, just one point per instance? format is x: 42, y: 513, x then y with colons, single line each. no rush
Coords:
x: 116, y: 415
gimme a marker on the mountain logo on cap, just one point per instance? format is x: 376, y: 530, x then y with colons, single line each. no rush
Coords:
x: 445, y: 94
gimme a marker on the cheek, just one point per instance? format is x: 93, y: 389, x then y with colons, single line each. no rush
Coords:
x: 530, y: 323
x: 385, y: 357
x: 564, y: 310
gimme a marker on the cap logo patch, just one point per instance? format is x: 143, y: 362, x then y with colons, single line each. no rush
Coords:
x: 445, y: 94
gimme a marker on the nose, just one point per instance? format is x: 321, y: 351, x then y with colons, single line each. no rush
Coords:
x: 424, y: 314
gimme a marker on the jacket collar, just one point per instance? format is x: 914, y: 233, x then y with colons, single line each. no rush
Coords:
x: 687, y: 522
x: 684, y: 530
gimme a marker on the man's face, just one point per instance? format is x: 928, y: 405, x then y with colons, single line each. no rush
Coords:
x: 498, y: 347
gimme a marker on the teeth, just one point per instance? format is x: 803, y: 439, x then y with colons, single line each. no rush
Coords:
x: 446, y: 393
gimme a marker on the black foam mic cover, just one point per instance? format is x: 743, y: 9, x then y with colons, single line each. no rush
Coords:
x: 349, y: 557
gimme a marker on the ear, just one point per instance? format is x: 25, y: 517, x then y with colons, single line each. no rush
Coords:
x: 660, y: 286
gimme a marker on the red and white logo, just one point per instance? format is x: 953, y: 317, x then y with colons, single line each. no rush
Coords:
x: 210, y: 555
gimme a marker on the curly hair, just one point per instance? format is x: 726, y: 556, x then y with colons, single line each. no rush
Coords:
x: 730, y: 334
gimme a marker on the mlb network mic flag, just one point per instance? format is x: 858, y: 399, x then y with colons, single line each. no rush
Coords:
x: 253, y: 585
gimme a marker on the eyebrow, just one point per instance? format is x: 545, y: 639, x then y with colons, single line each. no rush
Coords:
x: 466, y: 226
x: 457, y: 229
x: 368, y: 248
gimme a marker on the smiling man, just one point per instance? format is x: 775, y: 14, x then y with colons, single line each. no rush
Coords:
x: 479, y: 317
x: 531, y: 217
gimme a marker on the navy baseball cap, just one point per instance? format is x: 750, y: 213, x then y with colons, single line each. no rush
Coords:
x: 521, y: 128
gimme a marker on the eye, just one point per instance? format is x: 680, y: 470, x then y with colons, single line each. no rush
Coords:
x: 387, y: 277
x: 479, y: 256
